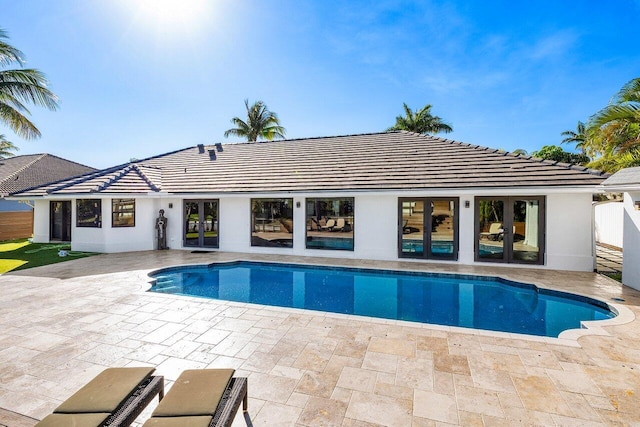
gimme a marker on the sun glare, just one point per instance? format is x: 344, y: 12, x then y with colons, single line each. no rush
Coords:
x: 170, y: 16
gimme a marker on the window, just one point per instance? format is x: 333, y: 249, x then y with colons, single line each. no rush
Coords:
x: 272, y: 222
x: 428, y: 228
x: 123, y: 213
x: 330, y: 223
x: 89, y: 213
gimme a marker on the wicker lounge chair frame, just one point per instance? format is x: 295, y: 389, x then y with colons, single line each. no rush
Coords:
x: 133, y: 406
x: 235, y: 393
x: 135, y: 403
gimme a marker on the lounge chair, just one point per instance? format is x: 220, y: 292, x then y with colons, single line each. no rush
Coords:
x: 201, y: 398
x: 339, y: 225
x: 113, y: 398
x: 406, y: 229
x: 329, y: 225
x: 494, y: 233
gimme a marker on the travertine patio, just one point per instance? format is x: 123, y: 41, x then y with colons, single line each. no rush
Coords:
x: 62, y: 324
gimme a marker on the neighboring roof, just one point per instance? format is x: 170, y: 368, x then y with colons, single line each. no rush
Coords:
x: 22, y: 172
x: 628, y: 178
x: 380, y: 161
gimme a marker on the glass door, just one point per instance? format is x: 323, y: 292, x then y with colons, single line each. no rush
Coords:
x: 491, y: 218
x: 60, y: 221
x: 526, y: 230
x: 428, y: 228
x: 412, y: 228
x: 201, y: 223
x: 510, y: 229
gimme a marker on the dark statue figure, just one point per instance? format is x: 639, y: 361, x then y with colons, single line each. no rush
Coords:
x: 161, y: 230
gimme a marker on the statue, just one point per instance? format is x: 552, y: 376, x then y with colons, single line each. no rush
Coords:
x: 161, y: 230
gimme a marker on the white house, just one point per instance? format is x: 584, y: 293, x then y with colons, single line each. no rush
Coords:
x: 19, y: 173
x: 627, y: 181
x: 380, y: 196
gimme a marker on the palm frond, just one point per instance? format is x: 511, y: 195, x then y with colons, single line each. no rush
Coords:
x: 6, y: 148
x: 610, y: 113
x: 8, y: 53
x: 29, y: 86
x: 18, y: 122
x: 630, y: 92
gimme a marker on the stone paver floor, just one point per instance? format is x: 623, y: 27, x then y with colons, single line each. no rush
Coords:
x: 609, y: 260
x: 62, y: 324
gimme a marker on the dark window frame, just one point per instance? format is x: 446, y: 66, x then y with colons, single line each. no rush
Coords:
x: 96, y: 213
x: 126, y: 211
x: 306, y: 218
x: 252, y: 220
x: 508, y: 225
x: 427, y: 252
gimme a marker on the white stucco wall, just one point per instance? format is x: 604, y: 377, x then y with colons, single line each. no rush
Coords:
x: 569, y: 236
x: 570, y: 244
x: 235, y: 224
x: 122, y: 239
x: 41, y: 221
x: 631, y: 249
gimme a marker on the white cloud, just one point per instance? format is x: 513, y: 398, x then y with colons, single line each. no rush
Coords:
x: 553, y: 46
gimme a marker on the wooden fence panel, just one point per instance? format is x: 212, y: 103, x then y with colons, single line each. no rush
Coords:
x: 16, y: 225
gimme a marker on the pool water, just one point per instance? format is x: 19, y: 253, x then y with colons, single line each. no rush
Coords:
x: 478, y: 302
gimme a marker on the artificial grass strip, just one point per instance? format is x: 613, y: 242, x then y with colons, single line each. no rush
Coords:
x: 21, y: 254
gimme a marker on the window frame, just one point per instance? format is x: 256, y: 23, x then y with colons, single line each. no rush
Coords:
x: 427, y: 252
x: 508, y: 221
x: 132, y: 211
x: 352, y: 200
x: 98, y: 209
x: 252, y: 220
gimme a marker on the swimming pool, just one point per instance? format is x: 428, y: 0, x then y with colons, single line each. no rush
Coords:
x: 478, y: 302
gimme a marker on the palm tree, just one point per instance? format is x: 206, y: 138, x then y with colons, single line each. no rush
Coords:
x: 19, y: 87
x: 6, y: 147
x: 625, y: 106
x: 261, y: 123
x: 580, y: 137
x: 615, y: 130
x: 422, y: 121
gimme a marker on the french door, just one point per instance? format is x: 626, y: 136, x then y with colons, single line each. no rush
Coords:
x: 428, y: 228
x: 510, y: 229
x: 201, y: 229
x: 60, y: 221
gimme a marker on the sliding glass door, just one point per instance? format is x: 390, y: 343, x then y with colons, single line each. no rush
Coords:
x: 510, y: 229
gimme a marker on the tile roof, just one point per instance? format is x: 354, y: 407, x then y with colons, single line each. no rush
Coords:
x: 379, y: 161
x: 624, y: 177
x: 22, y: 172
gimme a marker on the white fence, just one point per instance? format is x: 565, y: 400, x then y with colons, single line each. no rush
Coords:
x: 608, y: 217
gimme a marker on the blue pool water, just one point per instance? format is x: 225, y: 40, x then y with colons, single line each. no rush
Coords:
x: 445, y: 299
x: 443, y: 248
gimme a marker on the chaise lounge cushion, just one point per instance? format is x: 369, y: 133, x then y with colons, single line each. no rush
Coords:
x: 75, y: 420
x: 106, y: 391
x: 201, y: 421
x: 195, y: 392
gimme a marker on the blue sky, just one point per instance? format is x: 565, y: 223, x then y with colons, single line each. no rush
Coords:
x: 137, y: 78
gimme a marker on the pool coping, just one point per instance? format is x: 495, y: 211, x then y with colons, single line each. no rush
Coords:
x: 568, y: 337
